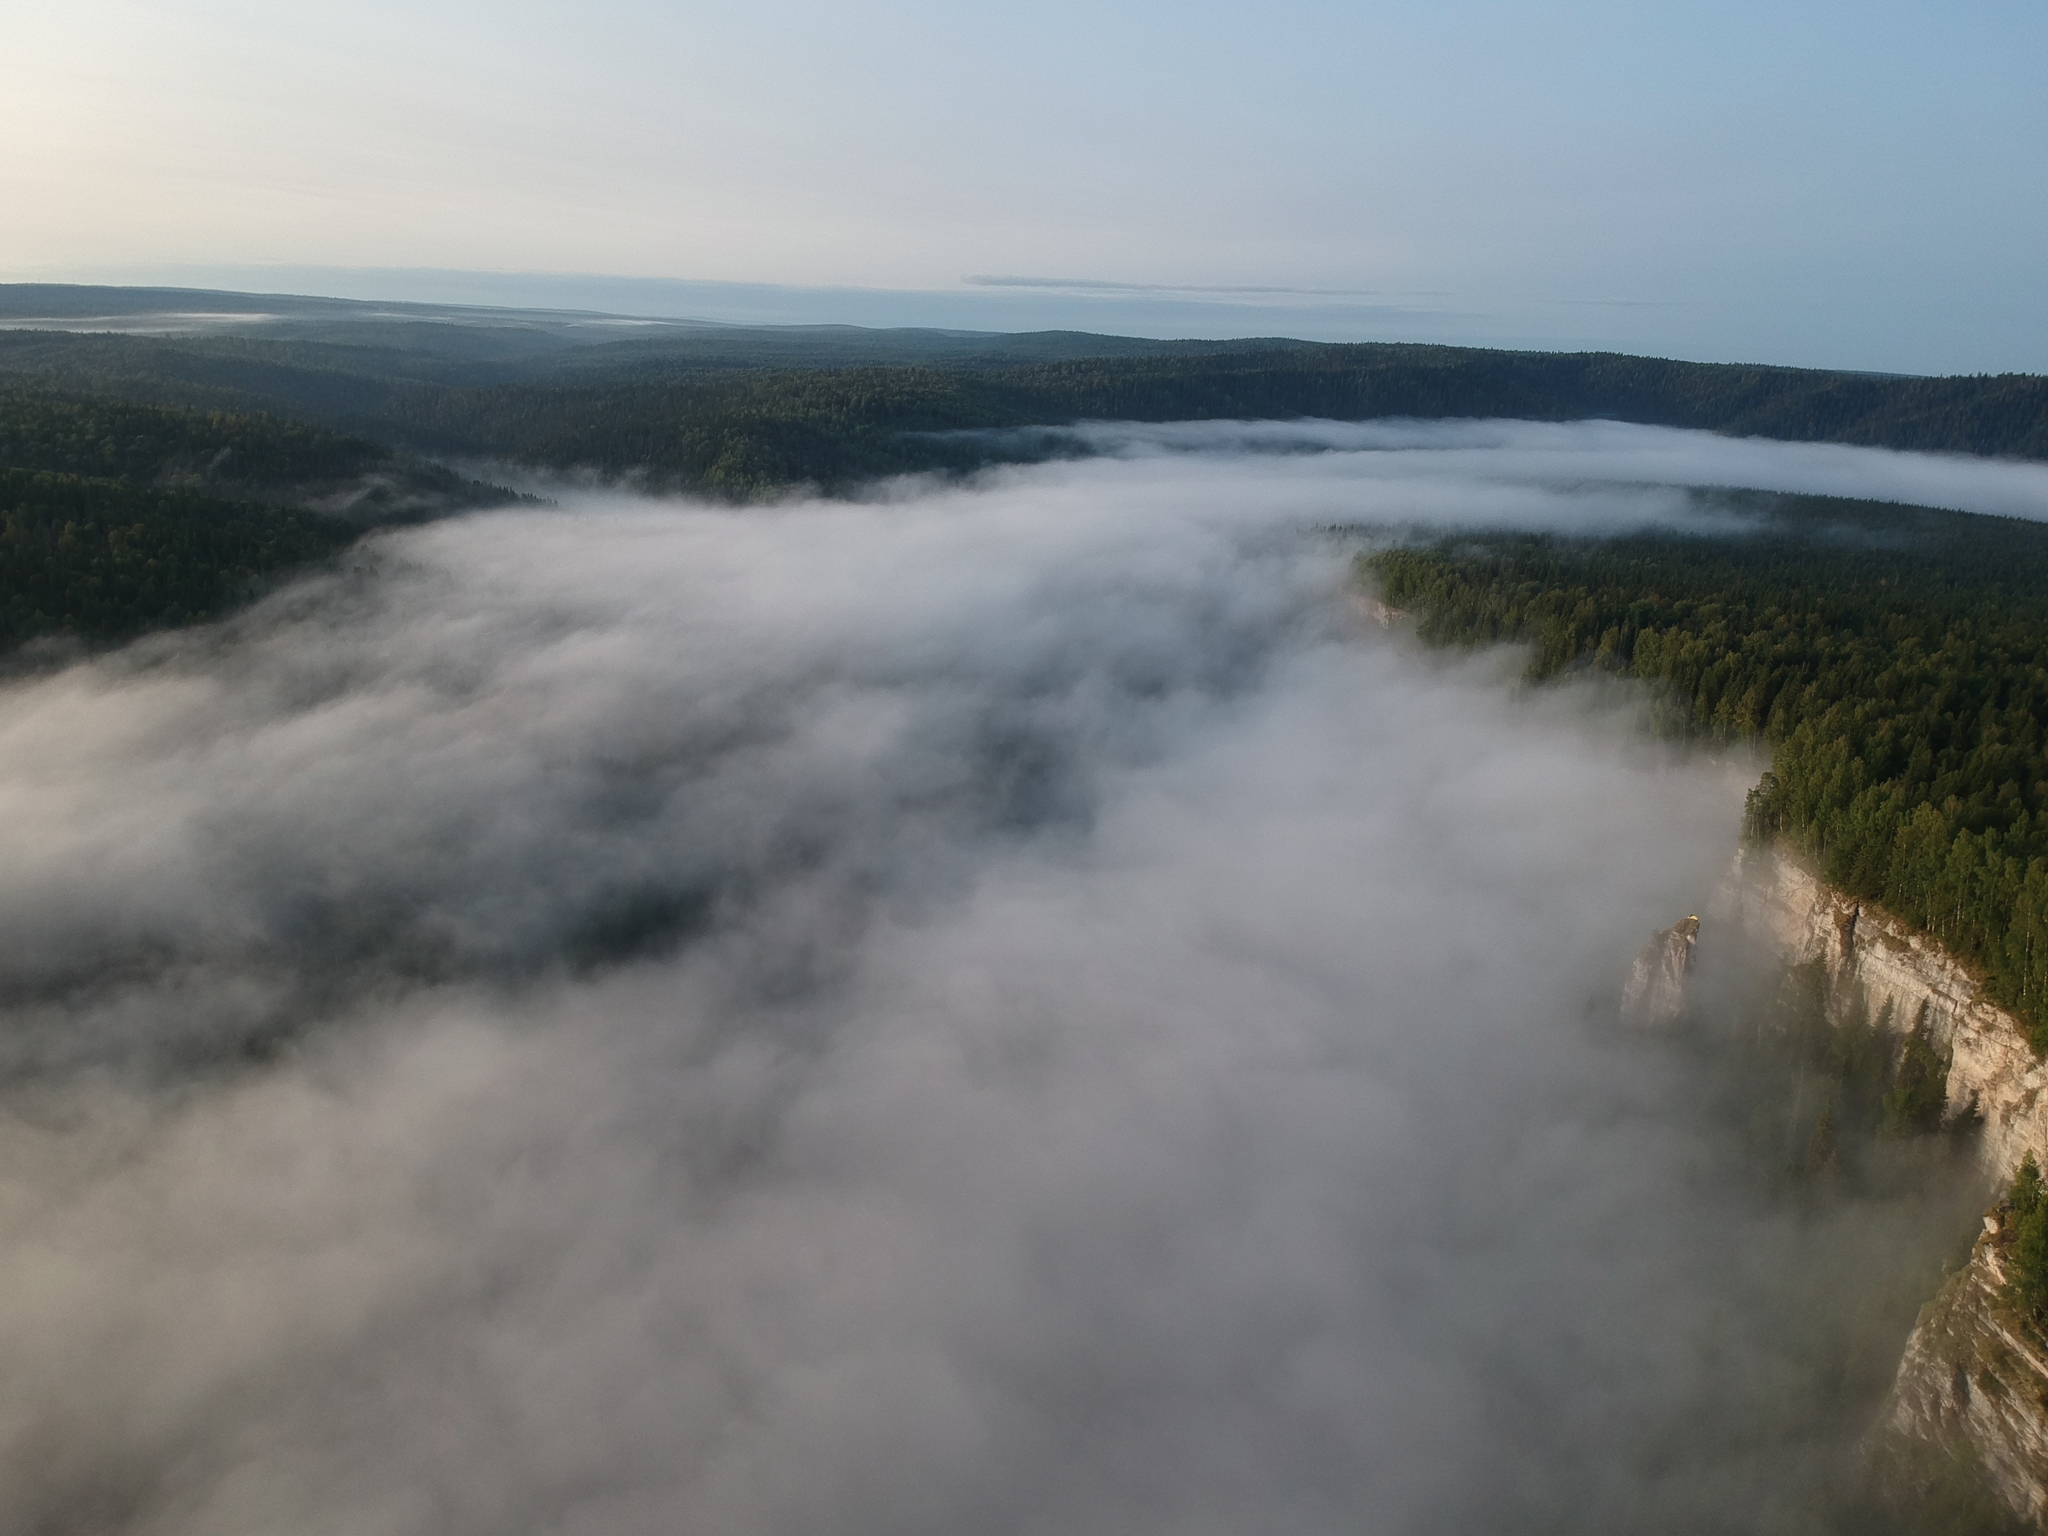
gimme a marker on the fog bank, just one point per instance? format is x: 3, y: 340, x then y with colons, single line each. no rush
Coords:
x: 1007, y: 1009
x: 1586, y: 456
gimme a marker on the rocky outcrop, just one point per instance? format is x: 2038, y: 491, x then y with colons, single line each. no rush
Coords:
x: 1654, y: 994
x: 1902, y: 980
x: 1975, y: 1378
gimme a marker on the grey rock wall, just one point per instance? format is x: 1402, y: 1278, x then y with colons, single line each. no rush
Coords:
x: 1974, y: 1376
x: 1901, y: 978
x: 1654, y: 994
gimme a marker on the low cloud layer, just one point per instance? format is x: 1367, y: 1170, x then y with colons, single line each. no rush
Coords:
x: 1574, y: 456
x: 1005, y: 1010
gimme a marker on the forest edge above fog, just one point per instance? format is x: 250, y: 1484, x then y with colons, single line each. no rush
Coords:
x: 158, y: 479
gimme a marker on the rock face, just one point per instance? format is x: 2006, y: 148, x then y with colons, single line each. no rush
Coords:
x: 1971, y: 1378
x: 1654, y: 994
x: 1873, y: 961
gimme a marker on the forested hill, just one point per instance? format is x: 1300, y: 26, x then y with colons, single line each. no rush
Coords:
x: 116, y: 518
x: 1894, y: 659
x: 741, y: 435
x: 233, y: 455
x: 100, y: 560
x: 742, y: 414
x: 2006, y: 415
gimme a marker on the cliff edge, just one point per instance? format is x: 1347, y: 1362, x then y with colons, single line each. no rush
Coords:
x: 1974, y: 1378
x: 1904, y: 980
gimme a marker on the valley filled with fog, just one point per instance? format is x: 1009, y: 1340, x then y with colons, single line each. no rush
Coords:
x: 1011, y: 1006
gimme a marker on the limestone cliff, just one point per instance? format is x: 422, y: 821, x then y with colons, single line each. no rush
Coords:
x: 1972, y: 1377
x: 1654, y: 994
x: 1904, y: 979
x: 1975, y: 1378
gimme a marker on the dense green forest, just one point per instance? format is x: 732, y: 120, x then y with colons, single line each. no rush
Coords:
x: 119, y: 440
x: 100, y: 560
x: 757, y: 432
x: 121, y: 517
x: 238, y: 456
x: 1894, y: 659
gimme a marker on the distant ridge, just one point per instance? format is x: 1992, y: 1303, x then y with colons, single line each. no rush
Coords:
x: 744, y: 411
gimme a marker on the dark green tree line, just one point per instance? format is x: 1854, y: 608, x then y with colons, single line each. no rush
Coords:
x: 1894, y: 659
x: 99, y: 560
x: 747, y: 414
x: 121, y: 440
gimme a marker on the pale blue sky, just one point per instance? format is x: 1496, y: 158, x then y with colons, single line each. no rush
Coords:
x: 1860, y: 185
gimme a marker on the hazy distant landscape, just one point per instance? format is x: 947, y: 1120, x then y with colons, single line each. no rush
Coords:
x: 800, y: 771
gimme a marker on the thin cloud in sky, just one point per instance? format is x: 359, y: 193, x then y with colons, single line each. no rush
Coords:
x: 1084, y: 284
x: 1856, y: 203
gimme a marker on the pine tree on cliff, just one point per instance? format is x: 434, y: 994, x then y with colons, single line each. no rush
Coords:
x: 1823, y: 1163
x: 2026, y: 1258
x: 1919, y: 1093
